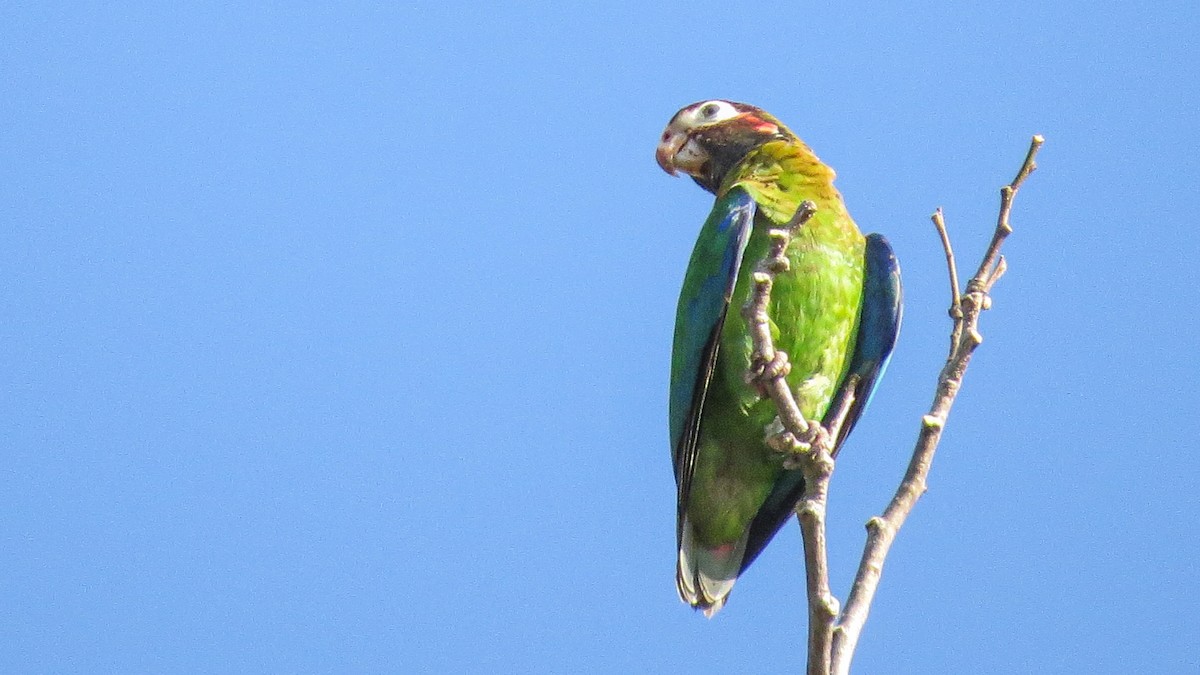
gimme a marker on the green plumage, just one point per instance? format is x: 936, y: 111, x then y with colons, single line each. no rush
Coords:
x: 817, y: 300
x: 734, y: 493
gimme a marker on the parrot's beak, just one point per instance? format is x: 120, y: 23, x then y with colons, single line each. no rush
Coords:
x: 671, y: 142
x: 680, y: 151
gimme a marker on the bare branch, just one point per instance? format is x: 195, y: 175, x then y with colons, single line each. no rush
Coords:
x: 1003, y: 229
x: 965, y: 311
x: 805, y: 444
x: 822, y: 605
x: 842, y: 405
x: 939, y: 222
x: 768, y: 366
x: 997, y: 272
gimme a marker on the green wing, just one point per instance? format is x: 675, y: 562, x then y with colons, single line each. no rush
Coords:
x: 703, y: 304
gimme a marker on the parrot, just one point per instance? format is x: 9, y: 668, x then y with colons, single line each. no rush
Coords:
x: 835, y: 312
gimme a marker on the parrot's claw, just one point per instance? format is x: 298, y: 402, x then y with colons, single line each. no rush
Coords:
x: 763, y: 371
x: 794, y: 450
x: 794, y: 458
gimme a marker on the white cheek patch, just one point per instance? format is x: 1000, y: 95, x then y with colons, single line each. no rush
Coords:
x: 691, y: 155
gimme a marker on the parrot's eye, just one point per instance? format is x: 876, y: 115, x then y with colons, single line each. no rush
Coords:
x: 711, y: 112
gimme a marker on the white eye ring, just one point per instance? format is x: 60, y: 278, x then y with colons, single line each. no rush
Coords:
x: 711, y: 112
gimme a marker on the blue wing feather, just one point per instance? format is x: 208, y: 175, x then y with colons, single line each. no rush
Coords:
x: 878, y: 326
x: 700, y: 318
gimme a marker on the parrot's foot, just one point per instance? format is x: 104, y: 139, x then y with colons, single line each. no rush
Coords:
x: 795, y: 451
x: 763, y: 371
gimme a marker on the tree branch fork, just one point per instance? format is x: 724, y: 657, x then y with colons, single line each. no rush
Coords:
x: 834, y: 630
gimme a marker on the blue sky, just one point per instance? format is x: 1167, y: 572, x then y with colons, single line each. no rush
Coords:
x: 335, y: 338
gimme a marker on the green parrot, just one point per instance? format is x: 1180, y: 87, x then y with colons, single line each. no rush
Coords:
x: 835, y: 312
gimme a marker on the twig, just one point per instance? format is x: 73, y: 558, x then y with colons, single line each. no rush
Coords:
x: 990, y: 268
x: 881, y: 530
x: 806, y: 444
x: 939, y: 222
x: 842, y: 406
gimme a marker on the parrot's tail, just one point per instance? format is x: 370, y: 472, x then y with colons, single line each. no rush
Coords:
x: 705, y: 576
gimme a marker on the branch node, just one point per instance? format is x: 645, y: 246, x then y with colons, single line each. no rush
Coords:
x: 933, y: 422
x: 829, y: 607
x: 876, y: 525
x: 811, y: 512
